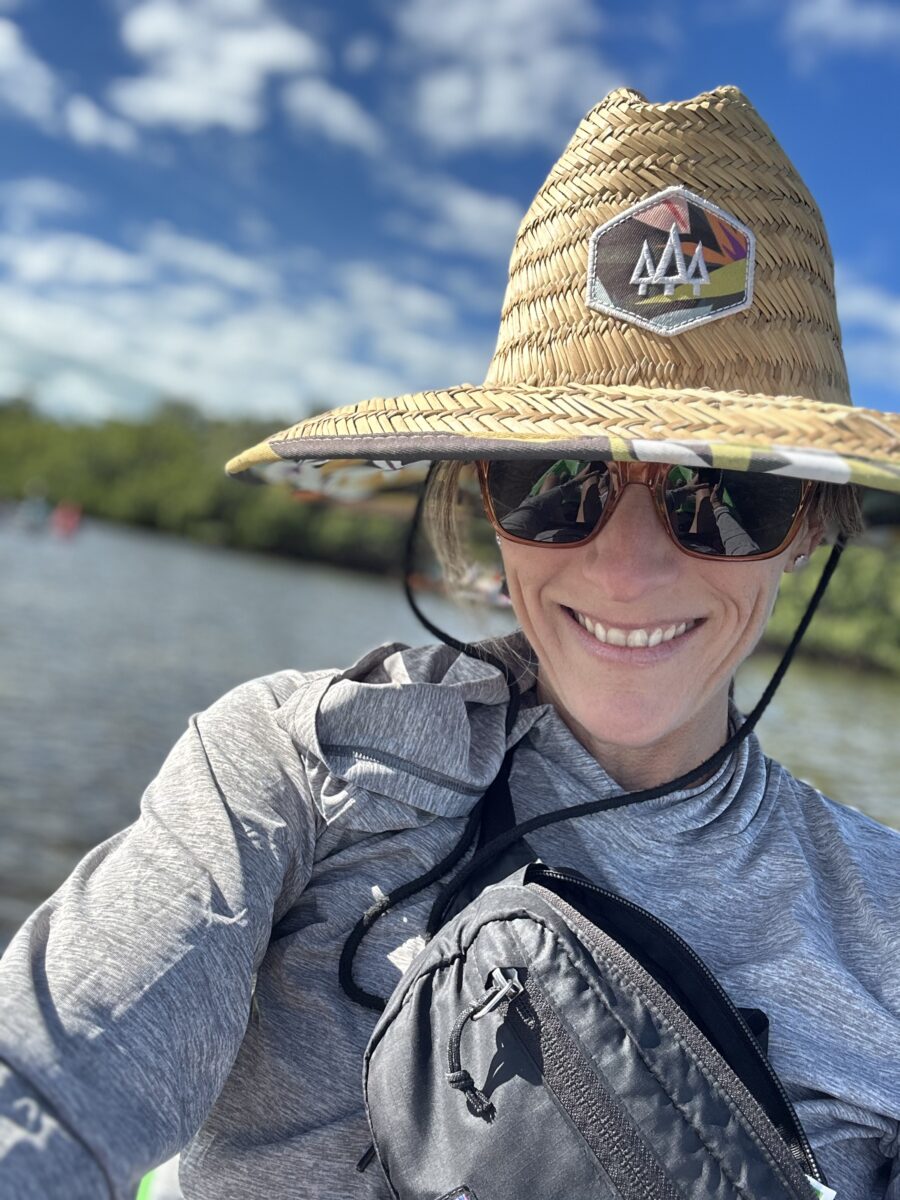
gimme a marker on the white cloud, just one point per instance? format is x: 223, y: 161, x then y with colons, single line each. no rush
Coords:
x: 875, y: 361
x: 863, y: 304
x: 193, y: 256
x: 79, y: 395
x: 812, y: 26
x: 88, y: 124
x: 460, y: 218
x: 27, y: 84
x: 91, y: 328
x: 317, y: 105
x: 33, y: 90
x: 207, y: 62
x: 870, y: 318
x: 512, y: 72
x: 70, y: 258
x: 382, y: 301
x: 25, y: 202
x: 202, y: 64
x: 479, y: 297
x: 74, y: 259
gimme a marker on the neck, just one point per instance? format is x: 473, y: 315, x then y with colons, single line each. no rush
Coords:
x: 676, y: 752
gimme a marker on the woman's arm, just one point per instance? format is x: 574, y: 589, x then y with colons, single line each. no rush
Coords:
x: 735, y: 538
x: 124, y: 998
x: 39, y: 1156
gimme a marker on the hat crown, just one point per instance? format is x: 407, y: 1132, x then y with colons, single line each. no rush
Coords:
x: 717, y: 152
x: 670, y: 299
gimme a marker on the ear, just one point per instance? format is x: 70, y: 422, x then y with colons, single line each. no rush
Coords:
x: 805, y: 542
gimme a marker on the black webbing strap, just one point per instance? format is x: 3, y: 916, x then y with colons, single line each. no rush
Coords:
x: 498, y: 817
x: 498, y: 814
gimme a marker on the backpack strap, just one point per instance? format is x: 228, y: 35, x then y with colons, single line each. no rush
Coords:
x: 498, y: 813
x: 498, y: 817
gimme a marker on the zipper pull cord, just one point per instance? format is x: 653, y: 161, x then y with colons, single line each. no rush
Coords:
x: 476, y: 1101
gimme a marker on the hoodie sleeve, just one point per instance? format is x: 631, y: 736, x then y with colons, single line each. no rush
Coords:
x: 124, y: 998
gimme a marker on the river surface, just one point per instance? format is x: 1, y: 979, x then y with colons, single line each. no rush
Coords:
x: 109, y: 641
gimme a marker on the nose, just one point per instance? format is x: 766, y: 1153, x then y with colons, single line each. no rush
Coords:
x: 632, y: 554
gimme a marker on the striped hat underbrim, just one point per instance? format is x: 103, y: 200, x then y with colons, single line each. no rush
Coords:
x: 356, y: 450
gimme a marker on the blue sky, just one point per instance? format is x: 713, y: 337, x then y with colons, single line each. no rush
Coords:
x: 268, y: 206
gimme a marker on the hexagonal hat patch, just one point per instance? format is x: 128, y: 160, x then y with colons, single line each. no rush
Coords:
x: 670, y: 263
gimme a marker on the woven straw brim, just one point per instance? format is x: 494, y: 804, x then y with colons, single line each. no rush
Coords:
x: 790, y: 435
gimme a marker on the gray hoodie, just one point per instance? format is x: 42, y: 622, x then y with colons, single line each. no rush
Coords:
x: 180, y: 989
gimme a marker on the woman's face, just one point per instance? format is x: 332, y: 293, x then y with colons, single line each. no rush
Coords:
x: 687, y: 624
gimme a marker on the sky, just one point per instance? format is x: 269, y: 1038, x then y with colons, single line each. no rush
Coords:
x: 269, y: 207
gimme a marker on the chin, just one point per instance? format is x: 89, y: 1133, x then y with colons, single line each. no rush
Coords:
x: 633, y: 724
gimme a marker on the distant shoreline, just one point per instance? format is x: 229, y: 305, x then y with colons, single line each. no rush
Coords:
x: 165, y: 473
x: 849, y: 628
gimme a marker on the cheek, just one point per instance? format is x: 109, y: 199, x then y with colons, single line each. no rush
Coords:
x: 748, y: 592
x: 525, y: 567
x: 524, y: 586
x: 528, y: 572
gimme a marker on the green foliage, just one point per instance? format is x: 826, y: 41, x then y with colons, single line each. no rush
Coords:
x: 859, y: 617
x: 166, y: 472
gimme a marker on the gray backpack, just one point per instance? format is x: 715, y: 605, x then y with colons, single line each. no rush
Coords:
x: 555, y: 1040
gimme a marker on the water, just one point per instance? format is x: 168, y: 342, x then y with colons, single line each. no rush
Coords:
x: 110, y: 641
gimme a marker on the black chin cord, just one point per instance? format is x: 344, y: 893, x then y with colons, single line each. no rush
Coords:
x: 447, y: 894
x: 470, y: 832
x: 695, y: 775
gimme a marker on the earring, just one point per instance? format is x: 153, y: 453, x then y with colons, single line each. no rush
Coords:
x: 799, y: 562
x: 497, y: 539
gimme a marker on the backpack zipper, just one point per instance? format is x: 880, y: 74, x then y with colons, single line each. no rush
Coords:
x: 628, y: 1162
x: 631, y: 1167
x: 800, y: 1149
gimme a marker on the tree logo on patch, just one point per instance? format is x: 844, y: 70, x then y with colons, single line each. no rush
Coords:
x: 670, y: 263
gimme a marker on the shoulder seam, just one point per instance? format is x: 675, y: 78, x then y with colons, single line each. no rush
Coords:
x: 385, y: 759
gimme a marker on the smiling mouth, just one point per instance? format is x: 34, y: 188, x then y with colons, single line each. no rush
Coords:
x: 650, y: 635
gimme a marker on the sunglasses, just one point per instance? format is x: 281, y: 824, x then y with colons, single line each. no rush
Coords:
x: 707, y: 513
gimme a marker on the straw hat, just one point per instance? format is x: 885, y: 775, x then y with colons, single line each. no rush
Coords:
x: 670, y: 299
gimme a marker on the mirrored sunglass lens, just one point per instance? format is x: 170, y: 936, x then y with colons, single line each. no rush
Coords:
x: 731, y: 514
x: 548, y: 500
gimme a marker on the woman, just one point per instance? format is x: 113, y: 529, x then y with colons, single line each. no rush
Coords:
x: 181, y: 990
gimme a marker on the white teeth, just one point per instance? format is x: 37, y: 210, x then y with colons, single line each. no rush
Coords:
x: 634, y: 637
